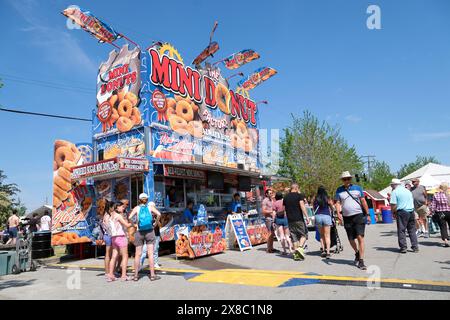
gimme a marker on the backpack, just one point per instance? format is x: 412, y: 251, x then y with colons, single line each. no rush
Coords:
x: 145, y: 219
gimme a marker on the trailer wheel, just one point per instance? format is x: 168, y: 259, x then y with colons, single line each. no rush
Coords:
x: 15, y: 269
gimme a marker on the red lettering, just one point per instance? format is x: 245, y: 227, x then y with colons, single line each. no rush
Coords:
x: 235, y: 110
x: 174, y: 66
x: 210, y: 89
x: 243, y: 106
x: 160, y: 69
x: 252, y: 109
x: 185, y: 80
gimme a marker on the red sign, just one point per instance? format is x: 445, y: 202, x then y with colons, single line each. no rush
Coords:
x: 173, y: 76
x: 109, y: 167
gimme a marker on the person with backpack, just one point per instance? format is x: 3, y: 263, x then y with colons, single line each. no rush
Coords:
x: 145, y: 234
x: 323, y: 208
x: 351, y: 204
x: 117, y: 230
x: 281, y: 222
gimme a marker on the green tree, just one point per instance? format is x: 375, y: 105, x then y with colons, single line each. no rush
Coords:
x: 380, y: 176
x: 314, y: 153
x: 8, y: 192
x: 420, y: 161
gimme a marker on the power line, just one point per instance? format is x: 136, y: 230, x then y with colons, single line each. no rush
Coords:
x: 369, y: 167
x: 44, y: 114
x: 47, y: 84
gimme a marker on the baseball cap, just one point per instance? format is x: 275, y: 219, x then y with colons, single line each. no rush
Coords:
x: 143, y: 196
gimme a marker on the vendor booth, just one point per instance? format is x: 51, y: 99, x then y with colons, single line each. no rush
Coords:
x: 178, y: 133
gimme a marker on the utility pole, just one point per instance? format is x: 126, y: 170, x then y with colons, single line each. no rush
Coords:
x: 369, y: 167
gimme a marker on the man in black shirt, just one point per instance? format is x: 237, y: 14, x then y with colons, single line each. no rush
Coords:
x: 294, y: 203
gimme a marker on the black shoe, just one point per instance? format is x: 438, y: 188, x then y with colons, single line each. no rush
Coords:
x: 323, y: 254
x: 415, y: 250
x: 361, y: 265
x: 446, y: 245
x: 356, y: 257
x: 403, y: 250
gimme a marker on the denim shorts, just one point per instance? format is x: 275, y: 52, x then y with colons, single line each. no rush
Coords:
x: 13, y: 232
x: 107, y: 240
x: 281, y: 222
x: 323, y: 220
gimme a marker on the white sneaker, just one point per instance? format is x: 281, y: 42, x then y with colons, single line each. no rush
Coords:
x: 157, y: 266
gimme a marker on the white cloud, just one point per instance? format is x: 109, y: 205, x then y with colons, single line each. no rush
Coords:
x: 430, y: 136
x: 353, y: 118
x: 58, y: 46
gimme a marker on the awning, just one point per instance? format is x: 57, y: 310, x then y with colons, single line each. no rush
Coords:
x: 210, y: 167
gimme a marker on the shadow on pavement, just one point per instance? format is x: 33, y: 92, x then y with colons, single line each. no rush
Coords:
x: 388, y: 249
x: 15, y: 283
x: 430, y: 243
x: 388, y: 233
x: 333, y: 261
x: 210, y: 263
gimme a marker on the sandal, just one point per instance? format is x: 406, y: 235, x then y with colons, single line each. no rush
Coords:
x: 126, y: 278
x: 109, y: 279
x: 154, y: 278
x: 135, y: 278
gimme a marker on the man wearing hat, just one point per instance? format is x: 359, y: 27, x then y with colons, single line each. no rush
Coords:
x: 351, y: 204
x: 402, y: 206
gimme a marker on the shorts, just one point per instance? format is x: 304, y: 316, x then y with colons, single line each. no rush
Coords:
x: 355, y: 226
x: 297, y: 230
x: 281, y: 222
x: 13, y: 232
x: 119, y: 242
x: 422, y: 212
x: 323, y: 220
x: 269, y: 224
x: 107, y: 239
x: 141, y: 237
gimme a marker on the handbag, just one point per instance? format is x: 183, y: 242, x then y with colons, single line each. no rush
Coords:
x: 357, y: 201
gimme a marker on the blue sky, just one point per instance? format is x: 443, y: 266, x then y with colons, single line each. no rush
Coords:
x: 388, y: 89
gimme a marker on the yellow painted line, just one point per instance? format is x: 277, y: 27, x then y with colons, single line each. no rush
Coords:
x: 249, y: 279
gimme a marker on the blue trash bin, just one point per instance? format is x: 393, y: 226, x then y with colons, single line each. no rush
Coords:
x: 7, y: 261
x: 386, y: 215
x: 372, y: 216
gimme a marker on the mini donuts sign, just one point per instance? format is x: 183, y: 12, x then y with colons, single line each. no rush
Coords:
x: 118, y: 93
x: 185, y: 82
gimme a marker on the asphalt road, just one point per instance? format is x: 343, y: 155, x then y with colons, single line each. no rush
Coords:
x: 257, y: 275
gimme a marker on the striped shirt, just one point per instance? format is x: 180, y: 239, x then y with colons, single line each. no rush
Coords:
x: 440, y: 203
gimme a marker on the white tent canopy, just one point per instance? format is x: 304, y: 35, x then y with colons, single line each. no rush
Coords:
x: 430, y: 175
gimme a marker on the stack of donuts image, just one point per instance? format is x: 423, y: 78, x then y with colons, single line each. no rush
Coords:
x: 242, y: 137
x: 63, y: 238
x: 125, y: 112
x: 66, y: 156
x: 181, y: 113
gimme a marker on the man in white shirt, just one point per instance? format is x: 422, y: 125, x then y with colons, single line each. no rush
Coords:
x: 45, y: 222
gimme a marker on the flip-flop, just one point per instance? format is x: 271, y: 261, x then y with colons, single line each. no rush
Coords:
x: 135, y: 278
x: 111, y: 279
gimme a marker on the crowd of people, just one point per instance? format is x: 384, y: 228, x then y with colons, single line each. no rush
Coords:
x: 144, y: 221
x: 288, y: 215
x: 15, y: 227
x: 285, y: 213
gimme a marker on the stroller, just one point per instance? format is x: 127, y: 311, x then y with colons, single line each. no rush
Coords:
x: 335, y: 241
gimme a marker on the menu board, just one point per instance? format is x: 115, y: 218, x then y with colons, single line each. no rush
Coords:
x: 239, y: 231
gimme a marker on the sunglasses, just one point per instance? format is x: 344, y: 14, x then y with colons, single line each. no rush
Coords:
x: 346, y: 179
